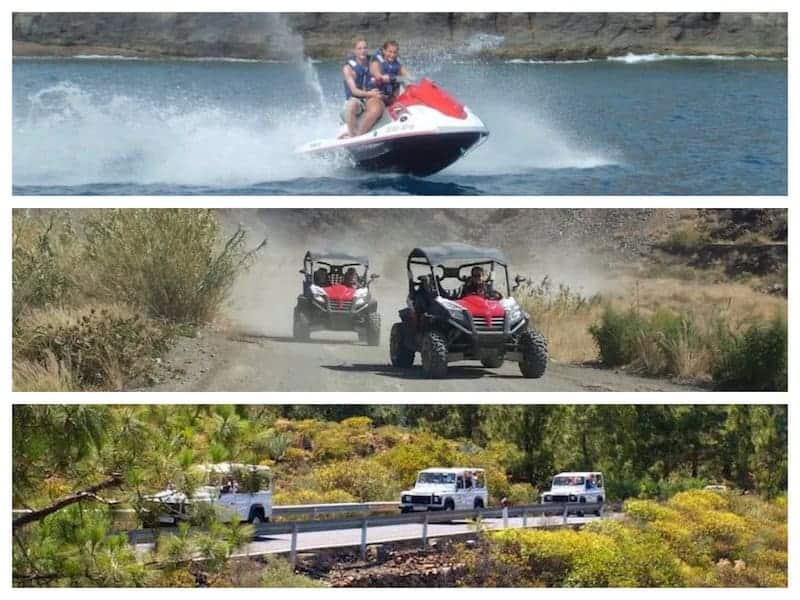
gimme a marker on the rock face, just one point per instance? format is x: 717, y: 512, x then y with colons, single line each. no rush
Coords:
x: 558, y: 36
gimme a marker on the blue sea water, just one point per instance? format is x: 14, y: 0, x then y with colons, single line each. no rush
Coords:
x: 642, y: 126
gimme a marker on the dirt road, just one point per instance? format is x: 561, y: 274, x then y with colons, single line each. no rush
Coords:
x: 254, y: 361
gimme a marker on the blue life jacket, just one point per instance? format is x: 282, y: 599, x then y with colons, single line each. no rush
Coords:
x: 363, y: 78
x: 387, y: 68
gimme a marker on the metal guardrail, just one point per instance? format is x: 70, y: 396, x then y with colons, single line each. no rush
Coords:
x: 426, y: 518
x: 289, y: 509
x: 333, y: 508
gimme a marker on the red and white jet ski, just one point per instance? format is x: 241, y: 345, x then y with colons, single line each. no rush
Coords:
x: 426, y: 131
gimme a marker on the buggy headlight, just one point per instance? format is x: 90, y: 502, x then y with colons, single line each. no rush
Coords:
x: 359, y: 301
x: 515, y: 314
x: 455, y: 310
x: 321, y: 298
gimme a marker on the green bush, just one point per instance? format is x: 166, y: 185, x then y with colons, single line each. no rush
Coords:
x: 44, y: 257
x: 616, y: 336
x: 278, y: 573
x: 754, y: 360
x: 175, y: 263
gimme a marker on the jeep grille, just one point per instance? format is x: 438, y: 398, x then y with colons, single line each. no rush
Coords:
x: 420, y: 499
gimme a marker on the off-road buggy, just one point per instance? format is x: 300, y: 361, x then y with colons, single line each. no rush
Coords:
x: 336, y: 297
x: 447, y: 320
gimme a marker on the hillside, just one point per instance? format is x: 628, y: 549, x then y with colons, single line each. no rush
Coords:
x: 326, y: 36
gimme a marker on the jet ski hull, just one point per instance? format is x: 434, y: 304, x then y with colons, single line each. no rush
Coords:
x: 419, y: 155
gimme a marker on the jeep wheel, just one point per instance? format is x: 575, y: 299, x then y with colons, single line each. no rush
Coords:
x: 406, y: 509
x: 533, y: 347
x: 434, y: 355
x: 449, y: 504
x: 301, y: 328
x: 599, y: 511
x: 373, y: 329
x: 492, y: 360
x: 256, y: 516
x: 478, y: 503
x: 399, y: 353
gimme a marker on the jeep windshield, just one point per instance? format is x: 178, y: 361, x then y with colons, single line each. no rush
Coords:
x: 437, y: 478
x: 567, y: 481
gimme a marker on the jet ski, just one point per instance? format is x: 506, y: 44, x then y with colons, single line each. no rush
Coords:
x: 421, y: 132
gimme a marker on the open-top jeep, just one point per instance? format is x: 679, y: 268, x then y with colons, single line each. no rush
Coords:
x: 453, y: 314
x: 336, y: 297
x: 456, y: 488
x: 232, y: 491
x: 580, y: 487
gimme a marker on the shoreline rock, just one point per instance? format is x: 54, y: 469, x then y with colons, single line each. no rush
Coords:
x: 327, y: 36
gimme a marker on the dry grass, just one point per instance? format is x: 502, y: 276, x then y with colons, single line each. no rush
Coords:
x: 565, y: 316
x: 45, y: 376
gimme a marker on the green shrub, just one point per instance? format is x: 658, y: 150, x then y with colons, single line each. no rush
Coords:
x: 753, y: 360
x: 175, y: 263
x: 278, y: 573
x: 44, y: 258
x: 616, y: 336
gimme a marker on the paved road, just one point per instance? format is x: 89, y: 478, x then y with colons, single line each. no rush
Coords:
x: 315, y: 540
x: 254, y: 361
x: 390, y: 533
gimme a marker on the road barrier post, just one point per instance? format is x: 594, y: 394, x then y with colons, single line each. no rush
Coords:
x: 505, y: 517
x: 525, y: 518
x: 425, y: 532
x: 364, y: 540
x: 293, y: 550
x: 566, y: 512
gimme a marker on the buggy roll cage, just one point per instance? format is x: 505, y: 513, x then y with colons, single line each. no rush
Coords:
x: 336, y: 263
x: 434, y: 258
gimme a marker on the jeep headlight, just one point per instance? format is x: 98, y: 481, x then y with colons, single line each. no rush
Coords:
x: 436, y: 499
x: 548, y: 498
x: 406, y: 499
x: 573, y: 498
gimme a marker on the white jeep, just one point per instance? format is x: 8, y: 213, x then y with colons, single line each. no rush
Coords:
x: 457, y: 488
x: 580, y: 487
x: 233, y: 491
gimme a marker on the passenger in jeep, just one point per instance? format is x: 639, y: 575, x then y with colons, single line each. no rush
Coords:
x: 476, y: 285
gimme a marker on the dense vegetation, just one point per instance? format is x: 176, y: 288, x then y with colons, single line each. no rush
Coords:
x: 356, y: 452
x: 696, y: 539
x: 95, y: 302
x: 730, y: 337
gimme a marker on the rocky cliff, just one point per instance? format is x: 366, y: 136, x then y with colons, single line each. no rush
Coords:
x: 558, y: 36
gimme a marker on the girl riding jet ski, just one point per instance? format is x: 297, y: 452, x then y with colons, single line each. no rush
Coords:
x: 423, y: 130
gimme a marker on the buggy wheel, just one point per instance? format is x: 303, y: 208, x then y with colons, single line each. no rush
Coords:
x: 373, y: 329
x: 399, y: 353
x: 434, y: 355
x: 533, y: 347
x: 301, y: 328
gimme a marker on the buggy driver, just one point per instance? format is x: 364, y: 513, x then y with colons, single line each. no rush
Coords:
x: 476, y: 285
